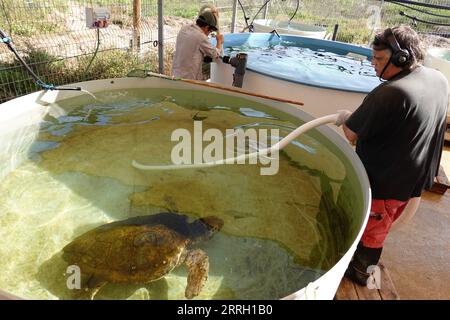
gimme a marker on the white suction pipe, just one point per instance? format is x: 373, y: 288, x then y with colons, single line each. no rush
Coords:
x: 278, y: 146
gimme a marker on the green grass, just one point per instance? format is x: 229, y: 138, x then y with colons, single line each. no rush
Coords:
x: 19, y: 18
x: 189, y: 11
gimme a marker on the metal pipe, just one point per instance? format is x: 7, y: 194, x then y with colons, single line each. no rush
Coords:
x: 266, y: 9
x: 335, y: 31
x: 161, y: 36
x: 239, y: 62
x: 233, y: 17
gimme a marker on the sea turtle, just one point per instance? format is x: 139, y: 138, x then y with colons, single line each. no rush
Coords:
x: 142, y: 249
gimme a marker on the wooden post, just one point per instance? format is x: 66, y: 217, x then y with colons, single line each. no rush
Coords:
x: 137, y: 25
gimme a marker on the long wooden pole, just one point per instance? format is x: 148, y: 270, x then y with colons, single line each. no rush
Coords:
x: 137, y: 25
x: 218, y: 86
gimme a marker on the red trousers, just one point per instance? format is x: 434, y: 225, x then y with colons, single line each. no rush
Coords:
x: 382, y: 214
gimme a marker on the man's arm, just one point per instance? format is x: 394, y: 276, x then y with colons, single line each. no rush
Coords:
x: 208, y: 50
x: 219, y: 39
x: 342, y: 117
x: 349, y: 134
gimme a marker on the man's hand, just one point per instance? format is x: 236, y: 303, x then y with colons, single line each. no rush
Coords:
x: 343, y: 115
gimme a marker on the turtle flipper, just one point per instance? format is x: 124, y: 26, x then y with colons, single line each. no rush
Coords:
x: 198, y: 266
x: 89, y: 288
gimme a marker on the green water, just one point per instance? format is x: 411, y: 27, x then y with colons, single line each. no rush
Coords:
x: 280, y: 232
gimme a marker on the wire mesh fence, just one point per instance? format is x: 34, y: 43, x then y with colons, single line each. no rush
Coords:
x: 52, y: 37
x: 357, y: 20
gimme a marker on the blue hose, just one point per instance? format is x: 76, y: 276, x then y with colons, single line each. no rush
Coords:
x: 7, y: 40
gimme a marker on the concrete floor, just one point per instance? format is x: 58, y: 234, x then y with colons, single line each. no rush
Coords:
x: 417, y: 254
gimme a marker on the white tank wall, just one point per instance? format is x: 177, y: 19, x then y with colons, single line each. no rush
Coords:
x: 304, y: 30
x: 19, y: 125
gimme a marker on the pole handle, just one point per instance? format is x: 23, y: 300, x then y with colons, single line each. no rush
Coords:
x: 221, y: 87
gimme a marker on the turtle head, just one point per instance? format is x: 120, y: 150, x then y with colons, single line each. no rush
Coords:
x: 213, y: 223
x: 204, y: 228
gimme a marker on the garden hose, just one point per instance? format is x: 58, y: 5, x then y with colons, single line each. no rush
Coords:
x: 95, y: 53
x: 421, y: 4
x: 422, y: 11
x: 7, y: 40
x: 295, y: 12
x: 415, y: 20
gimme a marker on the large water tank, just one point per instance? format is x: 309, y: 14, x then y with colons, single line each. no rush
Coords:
x: 66, y: 168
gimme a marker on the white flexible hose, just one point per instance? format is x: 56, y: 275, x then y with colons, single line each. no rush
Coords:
x: 278, y: 146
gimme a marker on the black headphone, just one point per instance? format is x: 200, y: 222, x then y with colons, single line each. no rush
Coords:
x: 400, y: 57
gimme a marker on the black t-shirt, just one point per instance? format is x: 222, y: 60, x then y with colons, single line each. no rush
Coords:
x: 400, y: 127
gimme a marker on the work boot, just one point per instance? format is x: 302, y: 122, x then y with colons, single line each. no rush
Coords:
x: 362, y: 259
x: 356, y: 274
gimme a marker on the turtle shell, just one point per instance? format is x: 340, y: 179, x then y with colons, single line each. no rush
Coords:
x: 136, y: 250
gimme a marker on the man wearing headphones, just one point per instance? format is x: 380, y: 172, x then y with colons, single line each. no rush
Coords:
x: 193, y: 46
x: 399, y: 134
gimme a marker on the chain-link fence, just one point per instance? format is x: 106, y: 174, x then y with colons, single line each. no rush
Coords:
x: 52, y: 37
x: 357, y: 20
